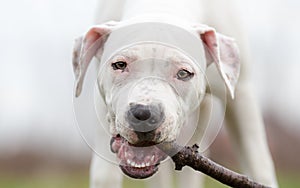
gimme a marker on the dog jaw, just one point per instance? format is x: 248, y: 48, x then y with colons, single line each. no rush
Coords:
x: 138, y: 162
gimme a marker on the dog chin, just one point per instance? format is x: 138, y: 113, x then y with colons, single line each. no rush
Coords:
x: 137, y: 161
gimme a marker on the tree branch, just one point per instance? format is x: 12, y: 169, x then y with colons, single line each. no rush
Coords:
x: 189, y: 156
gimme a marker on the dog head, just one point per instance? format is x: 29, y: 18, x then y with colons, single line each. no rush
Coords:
x: 150, y: 89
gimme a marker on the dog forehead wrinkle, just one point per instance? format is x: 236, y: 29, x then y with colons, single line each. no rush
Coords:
x: 129, y: 54
x: 153, y: 49
x: 180, y: 59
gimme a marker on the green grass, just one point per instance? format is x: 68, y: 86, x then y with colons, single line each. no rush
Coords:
x: 81, y: 181
x: 49, y: 181
x: 289, y: 181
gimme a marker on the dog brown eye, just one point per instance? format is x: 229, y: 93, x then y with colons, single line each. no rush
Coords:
x: 119, y: 65
x: 184, y: 75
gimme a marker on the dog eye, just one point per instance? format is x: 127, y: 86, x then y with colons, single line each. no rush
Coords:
x: 184, y: 75
x: 119, y: 65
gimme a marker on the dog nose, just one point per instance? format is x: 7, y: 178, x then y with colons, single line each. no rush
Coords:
x: 145, y: 118
x: 141, y: 112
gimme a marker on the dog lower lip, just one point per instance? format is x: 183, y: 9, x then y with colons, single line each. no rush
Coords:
x: 139, y: 173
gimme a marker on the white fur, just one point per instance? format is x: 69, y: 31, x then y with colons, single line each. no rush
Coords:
x: 147, y: 81
x: 243, y: 117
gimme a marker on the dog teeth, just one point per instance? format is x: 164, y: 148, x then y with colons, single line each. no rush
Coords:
x: 152, y: 158
x: 132, y: 163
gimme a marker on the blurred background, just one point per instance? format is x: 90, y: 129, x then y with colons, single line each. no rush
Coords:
x: 40, y: 145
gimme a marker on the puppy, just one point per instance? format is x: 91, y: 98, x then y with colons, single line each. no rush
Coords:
x: 147, y: 90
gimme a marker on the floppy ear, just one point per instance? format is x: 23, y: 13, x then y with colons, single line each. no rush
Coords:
x: 86, y: 47
x: 223, y: 51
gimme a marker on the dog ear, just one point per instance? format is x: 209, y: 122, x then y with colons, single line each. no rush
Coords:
x: 86, y: 47
x: 223, y: 51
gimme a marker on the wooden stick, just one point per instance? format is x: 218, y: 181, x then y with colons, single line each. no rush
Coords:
x: 189, y: 156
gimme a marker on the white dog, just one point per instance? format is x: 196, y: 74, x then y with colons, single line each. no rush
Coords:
x: 153, y: 110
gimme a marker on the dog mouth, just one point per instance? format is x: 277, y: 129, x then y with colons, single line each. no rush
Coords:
x: 137, y: 161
